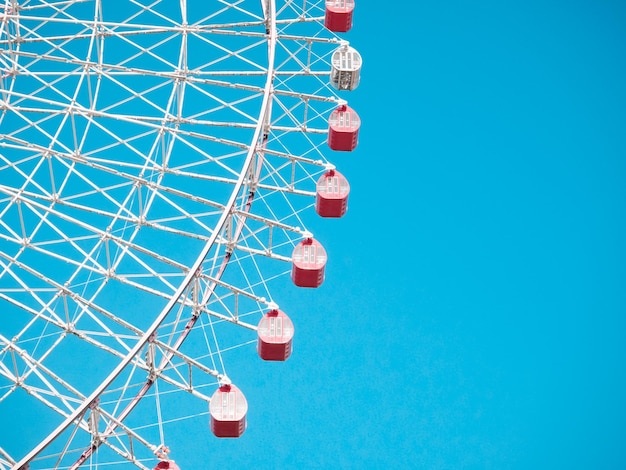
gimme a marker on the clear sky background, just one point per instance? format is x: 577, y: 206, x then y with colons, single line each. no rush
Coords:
x: 474, y: 310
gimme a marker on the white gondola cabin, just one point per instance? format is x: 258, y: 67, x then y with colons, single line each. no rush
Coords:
x: 275, y: 336
x: 338, y: 17
x: 308, y: 263
x: 343, y: 129
x: 332, y: 192
x: 345, y: 70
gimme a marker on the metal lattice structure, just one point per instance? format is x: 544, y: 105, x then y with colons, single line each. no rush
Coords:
x: 156, y: 158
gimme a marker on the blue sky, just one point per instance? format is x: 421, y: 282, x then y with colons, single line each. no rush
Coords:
x: 474, y: 309
x: 473, y: 314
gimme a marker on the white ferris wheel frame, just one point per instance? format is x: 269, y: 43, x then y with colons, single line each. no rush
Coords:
x: 232, y: 221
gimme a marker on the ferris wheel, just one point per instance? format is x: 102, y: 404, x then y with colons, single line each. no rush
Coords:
x: 157, y: 162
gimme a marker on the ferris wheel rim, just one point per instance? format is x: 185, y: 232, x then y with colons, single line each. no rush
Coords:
x: 269, y: 11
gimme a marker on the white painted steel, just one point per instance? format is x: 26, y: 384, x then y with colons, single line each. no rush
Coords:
x: 115, y: 182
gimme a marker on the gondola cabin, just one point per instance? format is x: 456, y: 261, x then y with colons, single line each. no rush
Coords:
x: 166, y: 465
x: 275, y: 336
x: 343, y: 129
x: 338, y: 17
x: 308, y: 263
x: 228, y: 409
x: 331, y: 199
x: 345, y: 70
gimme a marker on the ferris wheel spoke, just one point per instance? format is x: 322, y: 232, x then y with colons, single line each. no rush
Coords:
x: 124, y: 276
x: 154, y: 127
x: 91, y: 232
x: 34, y: 333
x: 6, y: 461
x: 43, y: 384
x: 96, y: 234
x: 38, y: 205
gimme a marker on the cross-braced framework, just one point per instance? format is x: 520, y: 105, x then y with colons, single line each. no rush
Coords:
x: 155, y: 160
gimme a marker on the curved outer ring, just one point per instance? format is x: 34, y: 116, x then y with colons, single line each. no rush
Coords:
x: 269, y: 7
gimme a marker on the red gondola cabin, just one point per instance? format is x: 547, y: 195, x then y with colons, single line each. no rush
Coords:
x: 275, y: 336
x: 228, y: 410
x: 166, y: 465
x: 343, y: 129
x: 332, y: 194
x: 338, y: 17
x: 309, y: 261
